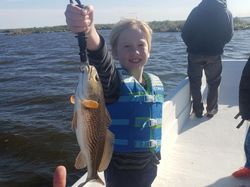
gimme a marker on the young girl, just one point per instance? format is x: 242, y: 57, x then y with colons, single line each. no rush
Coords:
x: 134, y: 98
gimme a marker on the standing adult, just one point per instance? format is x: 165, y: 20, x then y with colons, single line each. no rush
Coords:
x: 207, y: 29
x: 244, y: 106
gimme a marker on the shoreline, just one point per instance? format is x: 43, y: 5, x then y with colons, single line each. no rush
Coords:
x: 157, y: 26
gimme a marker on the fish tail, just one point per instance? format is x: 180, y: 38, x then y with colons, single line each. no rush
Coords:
x: 97, y: 180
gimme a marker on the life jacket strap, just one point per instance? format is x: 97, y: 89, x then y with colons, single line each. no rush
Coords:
x: 147, y: 144
x: 142, y: 98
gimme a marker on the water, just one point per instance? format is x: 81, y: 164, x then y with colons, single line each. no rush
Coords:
x: 38, y: 74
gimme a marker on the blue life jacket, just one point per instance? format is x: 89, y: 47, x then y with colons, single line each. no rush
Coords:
x: 137, y: 114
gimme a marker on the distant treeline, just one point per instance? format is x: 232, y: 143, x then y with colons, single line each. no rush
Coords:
x: 157, y: 26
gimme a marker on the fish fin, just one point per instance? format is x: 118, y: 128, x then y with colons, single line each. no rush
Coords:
x: 97, y: 180
x: 107, y: 152
x: 74, y: 121
x: 80, y: 161
x: 90, y: 104
x: 72, y: 99
x: 106, y: 116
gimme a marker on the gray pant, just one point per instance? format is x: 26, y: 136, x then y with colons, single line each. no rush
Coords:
x: 213, y: 67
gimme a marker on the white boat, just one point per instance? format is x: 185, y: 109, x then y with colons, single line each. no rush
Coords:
x: 201, y: 152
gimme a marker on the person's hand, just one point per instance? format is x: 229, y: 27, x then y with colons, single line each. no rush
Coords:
x: 79, y: 19
x: 59, y: 179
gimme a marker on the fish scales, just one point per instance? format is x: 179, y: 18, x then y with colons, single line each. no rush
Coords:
x: 96, y: 137
x: 90, y: 121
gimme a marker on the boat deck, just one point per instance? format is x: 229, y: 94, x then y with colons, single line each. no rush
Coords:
x: 207, y: 151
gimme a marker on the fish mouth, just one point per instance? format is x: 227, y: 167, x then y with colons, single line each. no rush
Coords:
x: 84, y: 68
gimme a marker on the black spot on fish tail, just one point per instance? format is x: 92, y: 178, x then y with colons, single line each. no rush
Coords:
x: 97, y: 180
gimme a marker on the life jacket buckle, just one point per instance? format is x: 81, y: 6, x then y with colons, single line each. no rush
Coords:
x: 150, y: 98
x: 153, y: 122
x: 153, y: 143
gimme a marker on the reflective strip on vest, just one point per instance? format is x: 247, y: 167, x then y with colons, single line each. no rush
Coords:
x: 121, y: 142
x: 120, y: 122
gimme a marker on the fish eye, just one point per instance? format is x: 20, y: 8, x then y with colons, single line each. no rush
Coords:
x: 97, y: 78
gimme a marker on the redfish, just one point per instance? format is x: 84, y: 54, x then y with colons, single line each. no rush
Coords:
x: 90, y: 122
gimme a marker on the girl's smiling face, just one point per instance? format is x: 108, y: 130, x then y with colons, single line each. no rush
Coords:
x: 132, y: 50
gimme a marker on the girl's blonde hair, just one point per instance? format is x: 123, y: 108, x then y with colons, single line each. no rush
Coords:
x: 129, y: 23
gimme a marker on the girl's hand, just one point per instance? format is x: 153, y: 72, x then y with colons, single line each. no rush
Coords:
x: 79, y: 19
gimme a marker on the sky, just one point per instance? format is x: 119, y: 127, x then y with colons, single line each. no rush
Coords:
x: 40, y: 13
